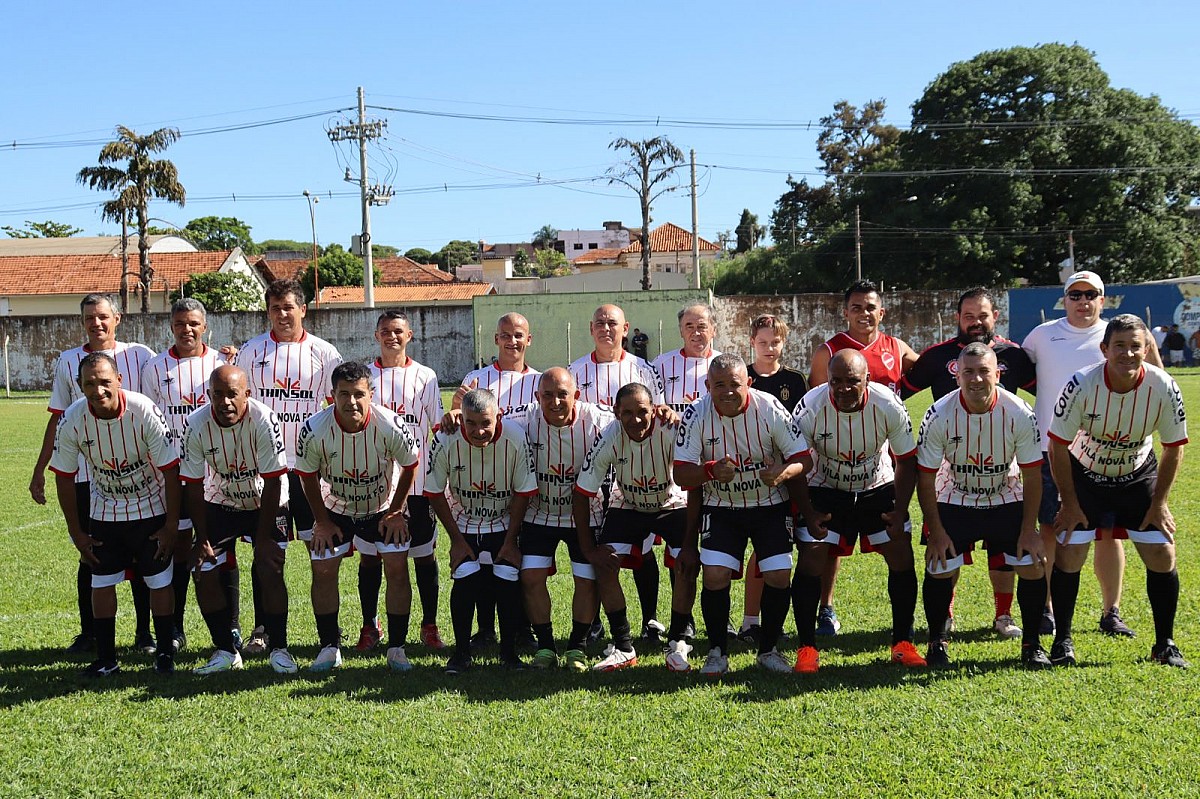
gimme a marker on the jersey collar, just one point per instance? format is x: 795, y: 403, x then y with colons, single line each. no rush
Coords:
x: 366, y: 422
x: 303, y: 336
x: 172, y: 352
x: 120, y: 410
x: 995, y: 399
x: 1136, y: 384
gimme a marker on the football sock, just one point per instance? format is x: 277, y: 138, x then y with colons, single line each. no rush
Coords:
x: 256, y: 595
x: 510, y: 612
x: 220, y: 628
x: 1003, y: 604
x: 679, y: 625
x: 427, y: 587
x: 485, y: 607
x: 464, y: 594
x: 231, y: 584
x: 370, y: 577
x: 327, y: 630
x: 164, y: 633
x: 937, y: 594
x: 579, y: 634
x: 714, y: 605
x: 141, y: 606
x: 180, y: 578
x: 774, y: 611
x: 618, y: 623
x: 645, y: 579
x: 397, y: 629
x: 83, y: 590
x: 902, y: 591
x: 1031, y: 598
x: 1163, y: 590
x: 1064, y: 589
x: 749, y: 621
x: 806, y: 599
x: 275, y: 625
x: 545, y: 636
x: 105, y: 631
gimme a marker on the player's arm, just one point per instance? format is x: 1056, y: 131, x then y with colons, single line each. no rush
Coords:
x: 265, y: 547
x: 509, y: 551
x: 460, y: 550
x: 37, y: 485
x: 167, y: 534
x: 325, y: 532
x: 939, y: 548
x: 688, y: 560
x: 906, y: 483
x: 202, y: 550
x: 819, y: 370
x: 1070, y: 515
x: 461, y: 391
x: 393, y: 526
x: 1159, y: 515
x: 1153, y: 356
x: 1031, y: 540
x: 908, y: 356
x: 64, y: 485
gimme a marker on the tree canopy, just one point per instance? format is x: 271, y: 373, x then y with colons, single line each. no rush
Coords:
x: 338, y: 267
x: 42, y: 230
x: 649, y: 172
x: 216, y: 233
x: 455, y: 254
x: 223, y: 291
x: 419, y: 254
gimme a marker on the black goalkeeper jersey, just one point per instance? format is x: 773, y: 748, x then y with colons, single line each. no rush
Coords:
x: 937, y: 368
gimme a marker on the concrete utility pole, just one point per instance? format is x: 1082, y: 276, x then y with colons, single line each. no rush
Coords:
x: 857, y: 243
x: 695, y: 230
x: 376, y: 194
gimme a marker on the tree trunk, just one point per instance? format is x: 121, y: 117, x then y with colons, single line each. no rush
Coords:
x: 646, y: 282
x: 145, y: 272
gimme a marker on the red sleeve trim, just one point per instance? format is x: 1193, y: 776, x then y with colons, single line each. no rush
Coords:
x: 586, y: 493
x: 56, y: 411
x: 687, y: 463
x: 64, y: 474
x: 795, y: 458
x: 1178, y: 443
x: 268, y: 475
x: 186, y: 479
x: 412, y: 465
x: 169, y: 465
x: 911, y: 453
x: 306, y: 474
x: 1031, y: 464
x: 924, y: 468
x: 1059, y: 439
x: 433, y: 493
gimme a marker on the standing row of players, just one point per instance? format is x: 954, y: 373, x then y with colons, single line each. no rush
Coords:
x: 507, y: 491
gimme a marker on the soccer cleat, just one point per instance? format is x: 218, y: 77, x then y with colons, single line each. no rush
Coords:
x: 1047, y: 625
x: 575, y: 660
x: 750, y: 634
x: 144, y: 643
x: 458, y: 663
x: 1168, y: 655
x: 1062, y: 653
x: 808, y: 660
x: 689, y: 632
x: 369, y: 636
x: 1034, y: 658
x: 220, y: 661
x: 615, y: 659
x: 238, y: 643
x: 257, y: 643
x: 483, y: 638
x: 1111, y: 623
x: 179, y: 643
x: 101, y: 668
x: 282, y: 662
x: 82, y: 643
x: 716, y: 664
x: 545, y: 659
x: 431, y: 638
x: 677, y: 656
x: 938, y: 654
x: 827, y: 621
x: 164, y: 662
x: 596, y: 632
x: 904, y: 653
x: 652, y: 632
x: 949, y: 626
x: 397, y: 660
x: 328, y: 659
x: 774, y: 662
x: 1006, y: 627
x: 512, y: 662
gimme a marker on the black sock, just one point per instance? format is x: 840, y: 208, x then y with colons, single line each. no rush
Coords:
x: 141, y: 606
x: 83, y: 591
x: 256, y: 596
x: 275, y: 626
x: 327, y: 629
x: 370, y: 577
x: 714, y: 605
x: 1031, y: 599
x: 105, y: 631
x: 774, y: 608
x: 679, y: 625
x: 180, y: 578
x: 164, y: 634
x: 645, y: 579
x: 219, y: 628
x: 510, y: 612
x: 806, y: 599
x: 397, y: 629
x: 230, y: 578
x: 485, y: 606
x: 902, y: 591
x: 545, y: 636
x: 427, y: 587
x: 618, y: 623
x: 464, y: 598
x: 937, y: 594
x: 1064, y: 589
x: 1163, y: 590
x: 579, y: 634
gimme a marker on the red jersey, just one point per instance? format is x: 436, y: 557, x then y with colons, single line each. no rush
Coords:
x: 885, y: 363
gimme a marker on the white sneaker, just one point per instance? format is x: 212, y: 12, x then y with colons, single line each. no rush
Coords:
x: 281, y: 661
x: 328, y: 659
x: 1006, y: 627
x: 257, y: 643
x: 220, y: 661
x: 677, y: 656
x: 616, y: 659
x: 716, y: 664
x: 397, y: 659
x: 774, y: 662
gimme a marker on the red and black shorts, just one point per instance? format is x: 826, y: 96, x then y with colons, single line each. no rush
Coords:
x: 128, y: 545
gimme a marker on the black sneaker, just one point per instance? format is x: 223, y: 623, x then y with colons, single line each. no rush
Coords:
x: 653, y: 633
x: 179, y: 643
x: 1063, y: 653
x: 458, y: 663
x: 938, y: 654
x: 144, y: 643
x: 1168, y: 655
x: 750, y: 634
x: 1111, y: 623
x: 1047, y: 626
x: 1033, y: 657
x: 164, y: 663
x: 527, y: 640
x: 512, y: 663
x: 595, y: 632
x: 689, y: 632
x: 483, y: 638
x: 101, y: 668
x: 82, y: 643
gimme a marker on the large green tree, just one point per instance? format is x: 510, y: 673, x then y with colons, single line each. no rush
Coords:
x: 216, y: 233
x: 223, y: 291
x: 545, y: 237
x: 42, y: 230
x: 127, y: 169
x: 337, y: 267
x: 748, y: 232
x: 419, y: 254
x: 285, y: 245
x: 455, y: 254
x: 649, y: 172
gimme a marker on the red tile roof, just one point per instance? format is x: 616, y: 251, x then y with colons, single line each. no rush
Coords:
x: 600, y: 256
x: 281, y: 268
x: 408, y: 294
x: 81, y: 274
x: 670, y: 238
x: 402, y: 271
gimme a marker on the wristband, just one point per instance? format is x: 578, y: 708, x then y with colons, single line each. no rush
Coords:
x: 708, y: 470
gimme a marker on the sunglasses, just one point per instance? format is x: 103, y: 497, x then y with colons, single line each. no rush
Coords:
x: 1090, y: 294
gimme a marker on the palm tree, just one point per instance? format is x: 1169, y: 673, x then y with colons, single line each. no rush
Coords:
x: 639, y: 174
x: 134, y: 186
x: 545, y: 237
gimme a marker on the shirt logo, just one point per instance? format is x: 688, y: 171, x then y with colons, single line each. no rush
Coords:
x: 168, y: 380
x: 713, y: 441
x: 212, y: 451
x: 956, y: 439
x: 483, y: 486
x: 646, y: 482
x: 1091, y: 417
x: 1117, y: 437
x: 673, y: 379
x: 535, y: 445
x: 563, y: 470
x: 824, y: 436
x: 852, y: 457
x: 87, y: 442
x: 460, y: 468
x: 583, y: 386
x: 980, y: 460
x: 622, y: 461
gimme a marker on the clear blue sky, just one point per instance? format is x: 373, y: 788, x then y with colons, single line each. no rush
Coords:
x: 73, y: 71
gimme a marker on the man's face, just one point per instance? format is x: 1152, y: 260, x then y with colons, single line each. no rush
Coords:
x: 976, y: 320
x: 229, y: 397
x: 636, y: 414
x: 767, y: 344
x: 479, y: 428
x: 730, y: 390
x: 864, y: 313
x: 100, y: 323
x: 188, y: 328
x: 978, y: 377
x: 608, y: 326
x: 101, y: 385
x: 513, y: 338
x: 393, y: 335
x: 697, y: 332
x: 557, y: 395
x: 848, y: 382
x: 287, y: 317
x: 352, y: 401
x: 1125, y: 352
x: 1083, y: 304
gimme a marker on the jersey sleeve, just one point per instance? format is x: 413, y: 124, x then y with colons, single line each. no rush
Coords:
x: 1021, y: 371
x: 900, y: 435
x: 150, y: 384
x: 653, y: 381
x: 787, y: 436
x: 436, y: 467
x: 308, y: 455
x: 431, y: 402
x: 268, y: 448
x: 331, y: 360
x: 191, y: 466
x: 1068, y: 411
x: 402, y: 444
x: 931, y: 441
x: 60, y: 388
x: 1172, y: 426
x: 1027, y: 438
x: 524, y: 477
x: 688, y: 444
x: 65, y: 457
x: 596, y: 464
x: 157, y: 436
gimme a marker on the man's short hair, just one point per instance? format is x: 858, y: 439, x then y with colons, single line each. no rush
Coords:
x: 92, y: 359
x: 479, y: 400
x: 96, y: 298
x: 632, y: 390
x: 391, y: 314
x: 768, y: 321
x: 860, y: 287
x: 977, y: 293
x: 187, y: 305
x: 350, y: 372
x: 693, y: 306
x: 976, y: 349
x: 727, y: 361
x: 281, y: 289
x: 1123, y: 323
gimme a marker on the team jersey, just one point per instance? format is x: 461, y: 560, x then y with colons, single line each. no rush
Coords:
x: 482, y: 480
x: 357, y: 470
x: 851, y: 450
x: 291, y: 378
x: 599, y: 382
x: 126, y: 456
x: 558, y: 455
x: 683, y: 377
x: 885, y: 363
x: 1058, y: 350
x: 1110, y: 433
x: 233, y: 461
x: 511, y: 389
x: 760, y: 435
x: 64, y: 386
x: 936, y: 368
x: 411, y: 392
x: 179, y: 386
x: 786, y: 385
x: 978, y: 456
x: 642, y: 478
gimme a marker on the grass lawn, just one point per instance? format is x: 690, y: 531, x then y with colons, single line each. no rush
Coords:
x: 1116, y: 726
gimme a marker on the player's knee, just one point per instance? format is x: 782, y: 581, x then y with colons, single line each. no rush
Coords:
x: 1158, y: 557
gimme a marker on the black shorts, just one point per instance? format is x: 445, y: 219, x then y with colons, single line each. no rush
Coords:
x: 226, y: 525
x: 83, y: 504
x: 300, y: 515
x: 852, y: 515
x: 1051, y: 501
x: 1120, y: 503
x: 422, y: 527
x: 539, y: 543
x: 725, y: 532
x: 486, y: 547
x: 125, y: 545
x: 998, y: 527
x: 357, y: 531
x: 626, y: 531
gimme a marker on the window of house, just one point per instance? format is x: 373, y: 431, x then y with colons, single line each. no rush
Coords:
x: 593, y: 245
x: 577, y: 246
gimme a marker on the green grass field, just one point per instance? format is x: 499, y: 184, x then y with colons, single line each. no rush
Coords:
x: 1117, y: 726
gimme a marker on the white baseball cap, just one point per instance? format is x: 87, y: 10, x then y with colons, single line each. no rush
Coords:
x: 1091, y: 278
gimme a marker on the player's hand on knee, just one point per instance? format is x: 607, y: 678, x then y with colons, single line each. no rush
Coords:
x: 165, y: 538
x: 893, y: 522
x: 687, y: 563
x: 393, y: 528
x: 202, y: 552
x: 460, y: 553
x: 324, y: 536
x: 86, y: 546
x: 939, y: 550
x: 1159, y: 517
x: 510, y: 553
x: 603, y: 558
x: 817, y: 524
x: 270, y: 554
x: 1031, y: 542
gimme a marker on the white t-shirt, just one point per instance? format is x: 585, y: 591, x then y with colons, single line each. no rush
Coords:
x: 643, y: 480
x: 411, y: 392
x: 1110, y: 433
x: 761, y: 434
x: 599, y: 382
x: 125, y: 454
x: 232, y: 461
x: 1058, y: 350
x: 683, y: 377
x: 179, y: 386
x: 851, y: 450
x: 978, y: 456
x: 511, y: 389
x: 482, y: 480
x: 558, y: 455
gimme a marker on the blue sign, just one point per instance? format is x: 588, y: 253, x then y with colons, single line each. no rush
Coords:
x: 1156, y: 304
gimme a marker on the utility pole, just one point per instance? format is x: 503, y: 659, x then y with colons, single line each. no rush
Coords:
x: 1071, y: 248
x: 857, y: 243
x: 376, y: 194
x: 695, y: 230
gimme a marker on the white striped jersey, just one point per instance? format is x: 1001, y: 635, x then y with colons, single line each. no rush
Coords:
x: 179, y: 386
x: 64, y: 386
x: 357, y: 470
x: 1110, y: 433
x: 851, y: 450
x: 232, y: 461
x: 1058, y: 350
x: 683, y: 377
x: 978, y: 456
x: 291, y: 378
x: 411, y: 392
x: 482, y: 480
x: 762, y: 434
x: 126, y: 455
x: 558, y: 456
x: 599, y: 382
x: 511, y: 389
x: 642, y: 478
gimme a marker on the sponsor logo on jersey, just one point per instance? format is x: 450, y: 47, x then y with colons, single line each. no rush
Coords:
x: 113, y: 468
x: 187, y: 404
x: 559, y: 474
x: 290, y: 391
